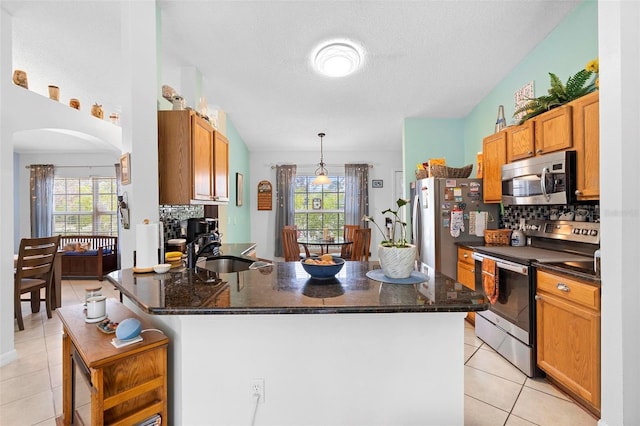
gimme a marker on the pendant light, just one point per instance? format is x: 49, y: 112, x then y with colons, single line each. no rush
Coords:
x: 321, y: 172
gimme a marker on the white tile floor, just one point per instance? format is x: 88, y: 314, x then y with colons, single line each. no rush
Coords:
x: 496, y: 393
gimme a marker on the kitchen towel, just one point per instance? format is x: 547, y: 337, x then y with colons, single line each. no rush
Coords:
x: 147, y: 245
x: 490, y: 282
x: 480, y: 223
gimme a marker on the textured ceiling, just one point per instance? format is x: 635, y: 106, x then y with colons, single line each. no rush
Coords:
x: 422, y: 59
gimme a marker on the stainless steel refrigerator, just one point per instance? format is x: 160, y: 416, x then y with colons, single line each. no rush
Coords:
x: 446, y: 211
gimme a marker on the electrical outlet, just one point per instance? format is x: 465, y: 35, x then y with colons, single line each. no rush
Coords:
x: 257, y: 389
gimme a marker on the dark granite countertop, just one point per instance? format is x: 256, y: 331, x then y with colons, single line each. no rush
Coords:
x: 285, y: 288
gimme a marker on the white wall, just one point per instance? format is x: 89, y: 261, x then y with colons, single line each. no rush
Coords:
x: 385, y: 163
x: 618, y: 32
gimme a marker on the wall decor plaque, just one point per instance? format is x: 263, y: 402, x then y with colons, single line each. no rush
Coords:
x: 265, y: 191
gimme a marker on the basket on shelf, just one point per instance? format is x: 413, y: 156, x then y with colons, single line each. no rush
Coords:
x: 441, y: 171
x: 422, y: 174
x: 497, y: 237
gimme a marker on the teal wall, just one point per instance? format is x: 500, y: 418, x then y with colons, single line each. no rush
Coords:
x: 566, y: 50
x: 239, y: 217
x: 426, y: 138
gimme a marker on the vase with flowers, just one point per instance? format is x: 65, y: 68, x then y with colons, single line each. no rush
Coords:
x: 397, y: 256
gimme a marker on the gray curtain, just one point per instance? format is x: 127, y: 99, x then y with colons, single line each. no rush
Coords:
x: 41, y: 183
x: 356, y: 194
x: 285, y: 207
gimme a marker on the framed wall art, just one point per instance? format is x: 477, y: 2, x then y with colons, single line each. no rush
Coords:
x: 125, y: 168
x: 239, y: 188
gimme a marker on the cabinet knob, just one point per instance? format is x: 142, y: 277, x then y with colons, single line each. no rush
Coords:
x: 563, y: 287
x: 529, y: 152
x: 578, y: 192
x: 465, y: 255
x: 537, y: 297
x: 539, y: 151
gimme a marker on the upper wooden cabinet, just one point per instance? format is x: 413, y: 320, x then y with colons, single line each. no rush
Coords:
x: 586, y: 142
x: 494, y: 155
x: 548, y: 132
x: 553, y: 130
x: 193, y: 160
x: 520, y: 141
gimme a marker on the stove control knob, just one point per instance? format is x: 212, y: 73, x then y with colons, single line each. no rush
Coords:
x: 576, y: 231
x: 593, y: 232
x: 585, y: 232
x: 534, y: 227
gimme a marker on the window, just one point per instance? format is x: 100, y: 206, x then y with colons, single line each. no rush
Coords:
x: 319, y: 206
x: 86, y: 206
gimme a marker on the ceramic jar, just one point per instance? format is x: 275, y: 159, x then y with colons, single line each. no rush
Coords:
x: 54, y: 93
x: 20, y: 78
x: 96, y: 111
x: 397, y: 262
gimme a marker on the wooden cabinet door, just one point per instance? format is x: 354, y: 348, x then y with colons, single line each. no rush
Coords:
x: 494, y: 155
x: 553, y: 130
x: 569, y: 346
x: 586, y: 137
x: 174, y: 157
x: 221, y: 166
x: 202, y: 139
x: 520, y: 141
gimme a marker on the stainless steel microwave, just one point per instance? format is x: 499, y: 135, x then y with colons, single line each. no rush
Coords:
x: 544, y: 179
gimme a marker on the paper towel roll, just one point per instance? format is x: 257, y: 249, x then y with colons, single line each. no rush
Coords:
x: 147, y: 244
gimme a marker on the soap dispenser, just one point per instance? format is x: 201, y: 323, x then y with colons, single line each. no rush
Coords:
x: 518, y: 239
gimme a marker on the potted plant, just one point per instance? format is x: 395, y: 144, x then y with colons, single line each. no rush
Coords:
x: 559, y: 94
x: 397, y: 256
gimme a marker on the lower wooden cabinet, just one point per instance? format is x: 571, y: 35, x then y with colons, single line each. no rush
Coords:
x: 126, y: 385
x: 568, y: 333
x: 466, y: 273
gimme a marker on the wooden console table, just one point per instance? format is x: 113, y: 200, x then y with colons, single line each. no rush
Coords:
x: 128, y: 385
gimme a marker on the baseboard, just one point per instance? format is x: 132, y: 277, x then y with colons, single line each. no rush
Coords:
x: 7, y: 357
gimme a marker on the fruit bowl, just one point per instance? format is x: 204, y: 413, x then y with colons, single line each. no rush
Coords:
x: 323, y: 271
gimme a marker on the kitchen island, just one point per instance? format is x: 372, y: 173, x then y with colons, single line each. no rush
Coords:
x: 345, y: 351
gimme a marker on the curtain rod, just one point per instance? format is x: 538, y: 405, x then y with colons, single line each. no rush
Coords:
x: 273, y: 166
x: 69, y: 167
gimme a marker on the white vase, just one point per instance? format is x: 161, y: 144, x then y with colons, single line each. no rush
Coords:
x: 397, y: 262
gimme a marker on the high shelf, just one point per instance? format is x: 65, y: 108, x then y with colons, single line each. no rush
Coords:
x: 128, y: 385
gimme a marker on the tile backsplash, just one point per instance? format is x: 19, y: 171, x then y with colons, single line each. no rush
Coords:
x: 513, y: 214
x: 172, y: 216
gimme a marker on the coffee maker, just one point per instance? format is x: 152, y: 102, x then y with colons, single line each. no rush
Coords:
x: 202, y: 237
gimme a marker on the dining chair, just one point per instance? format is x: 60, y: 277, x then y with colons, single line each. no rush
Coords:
x: 290, y: 245
x: 361, y: 243
x: 348, y: 234
x: 34, y: 271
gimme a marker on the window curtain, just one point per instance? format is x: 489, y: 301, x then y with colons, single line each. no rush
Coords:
x: 356, y: 194
x: 285, y: 210
x: 41, y: 186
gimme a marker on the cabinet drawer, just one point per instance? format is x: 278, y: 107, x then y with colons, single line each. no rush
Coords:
x: 464, y: 255
x: 569, y: 289
x: 466, y: 275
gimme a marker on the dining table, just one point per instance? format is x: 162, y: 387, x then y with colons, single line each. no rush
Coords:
x: 324, y: 243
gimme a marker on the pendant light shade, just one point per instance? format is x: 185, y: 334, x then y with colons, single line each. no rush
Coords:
x: 321, y: 171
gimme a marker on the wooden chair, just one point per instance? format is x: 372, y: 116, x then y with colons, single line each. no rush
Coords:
x: 361, y: 243
x: 290, y: 246
x: 34, y: 271
x: 349, y: 232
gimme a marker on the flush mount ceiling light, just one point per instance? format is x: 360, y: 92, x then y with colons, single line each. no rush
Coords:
x: 321, y: 172
x: 337, y: 58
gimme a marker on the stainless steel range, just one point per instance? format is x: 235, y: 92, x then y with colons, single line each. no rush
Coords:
x: 509, y: 326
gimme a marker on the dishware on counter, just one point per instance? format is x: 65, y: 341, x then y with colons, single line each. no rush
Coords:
x: 567, y: 215
x: 322, y: 271
x: 554, y: 214
x: 96, y: 308
x: 161, y: 268
x: 581, y: 215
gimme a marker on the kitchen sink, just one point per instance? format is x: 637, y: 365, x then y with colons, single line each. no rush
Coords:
x: 228, y: 264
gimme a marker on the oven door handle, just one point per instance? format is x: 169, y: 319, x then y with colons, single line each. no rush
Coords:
x: 518, y: 269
